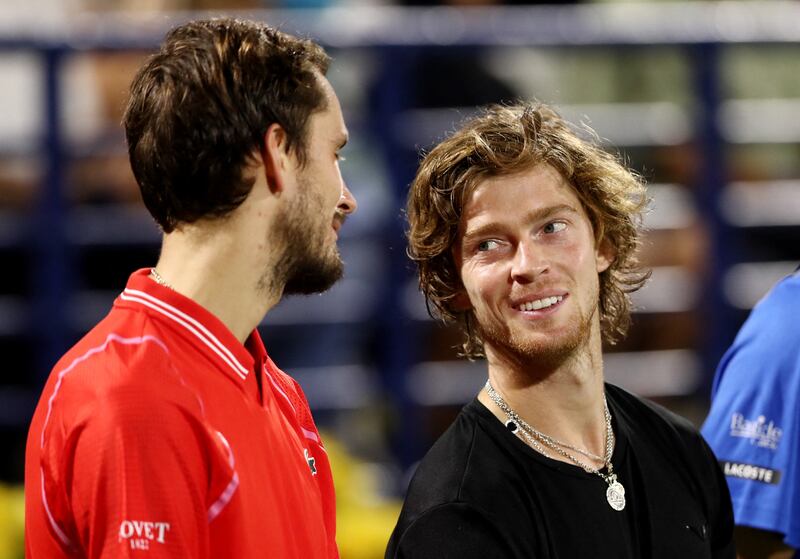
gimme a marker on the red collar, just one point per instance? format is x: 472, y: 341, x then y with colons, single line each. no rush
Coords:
x: 208, y: 332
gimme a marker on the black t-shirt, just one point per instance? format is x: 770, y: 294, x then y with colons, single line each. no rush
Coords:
x: 482, y: 493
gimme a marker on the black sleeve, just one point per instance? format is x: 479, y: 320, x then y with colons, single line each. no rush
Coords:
x: 705, y: 474
x: 451, y: 531
x: 696, y: 462
x: 722, y: 545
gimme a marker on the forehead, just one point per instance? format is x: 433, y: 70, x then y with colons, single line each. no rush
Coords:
x: 328, y: 123
x: 508, y: 197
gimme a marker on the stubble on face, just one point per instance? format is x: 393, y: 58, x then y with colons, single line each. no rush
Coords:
x: 309, y: 262
x: 558, y: 260
x: 538, y: 353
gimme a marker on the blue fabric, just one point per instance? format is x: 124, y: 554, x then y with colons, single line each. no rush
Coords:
x: 754, y: 422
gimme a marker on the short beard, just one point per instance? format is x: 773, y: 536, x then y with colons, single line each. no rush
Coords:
x: 539, y: 356
x: 307, y: 275
x: 303, y: 268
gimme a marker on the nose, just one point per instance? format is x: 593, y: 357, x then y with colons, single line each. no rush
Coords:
x: 347, y: 202
x: 528, y: 263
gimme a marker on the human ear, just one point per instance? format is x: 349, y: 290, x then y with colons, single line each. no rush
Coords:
x: 275, y: 157
x: 605, y: 254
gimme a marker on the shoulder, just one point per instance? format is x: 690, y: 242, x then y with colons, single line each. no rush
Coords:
x: 763, y: 359
x: 116, y: 411
x: 452, y: 530
x: 664, y: 439
x: 757, y: 382
x: 655, y: 429
x: 785, y: 294
x: 120, y: 377
x: 770, y: 320
x: 121, y: 342
x: 451, y: 465
x: 667, y: 443
x: 648, y: 413
x: 464, y: 479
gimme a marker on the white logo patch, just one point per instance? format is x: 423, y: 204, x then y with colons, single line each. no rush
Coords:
x: 760, y: 432
x: 140, y: 533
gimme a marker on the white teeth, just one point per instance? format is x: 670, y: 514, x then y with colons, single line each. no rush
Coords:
x: 541, y: 303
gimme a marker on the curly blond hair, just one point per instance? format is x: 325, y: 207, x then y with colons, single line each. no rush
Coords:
x: 504, y: 140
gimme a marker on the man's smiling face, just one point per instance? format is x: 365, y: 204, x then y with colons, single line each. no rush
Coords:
x: 529, y: 264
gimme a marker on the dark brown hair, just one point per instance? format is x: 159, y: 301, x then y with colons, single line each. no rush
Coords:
x: 502, y: 141
x: 199, y: 109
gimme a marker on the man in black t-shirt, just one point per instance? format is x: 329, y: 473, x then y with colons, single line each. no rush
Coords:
x: 526, y: 235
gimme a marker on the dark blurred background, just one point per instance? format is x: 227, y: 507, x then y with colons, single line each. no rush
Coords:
x: 702, y: 99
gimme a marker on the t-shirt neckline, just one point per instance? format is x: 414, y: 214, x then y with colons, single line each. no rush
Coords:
x: 499, y: 432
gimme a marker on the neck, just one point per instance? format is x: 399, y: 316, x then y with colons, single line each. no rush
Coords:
x: 208, y: 263
x: 563, y: 400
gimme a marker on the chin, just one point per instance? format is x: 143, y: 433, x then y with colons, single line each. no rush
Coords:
x: 550, y: 354
x: 542, y: 350
x: 318, y: 278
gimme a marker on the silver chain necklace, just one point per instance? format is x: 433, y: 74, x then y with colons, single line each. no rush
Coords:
x: 550, y: 441
x: 615, y: 492
x: 158, y: 279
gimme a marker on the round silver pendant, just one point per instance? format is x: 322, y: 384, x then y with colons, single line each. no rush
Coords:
x: 615, y: 495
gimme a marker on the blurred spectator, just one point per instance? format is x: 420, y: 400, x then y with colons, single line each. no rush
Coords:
x: 753, y: 425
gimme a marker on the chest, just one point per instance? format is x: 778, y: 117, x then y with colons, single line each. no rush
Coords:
x: 568, y: 515
x: 282, y: 490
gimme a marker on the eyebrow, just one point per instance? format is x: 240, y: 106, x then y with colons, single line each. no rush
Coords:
x: 540, y: 214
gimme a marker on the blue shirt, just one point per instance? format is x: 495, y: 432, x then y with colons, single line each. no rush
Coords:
x: 754, y: 422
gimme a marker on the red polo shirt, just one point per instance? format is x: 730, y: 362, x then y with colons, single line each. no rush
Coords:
x: 160, y: 435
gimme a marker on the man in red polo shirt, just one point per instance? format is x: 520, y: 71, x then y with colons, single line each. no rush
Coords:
x: 167, y: 431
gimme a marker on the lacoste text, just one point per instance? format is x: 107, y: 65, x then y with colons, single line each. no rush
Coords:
x: 751, y: 472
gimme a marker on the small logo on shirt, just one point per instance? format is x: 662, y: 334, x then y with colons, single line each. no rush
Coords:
x: 759, y: 431
x: 140, y: 533
x: 311, y: 462
x: 750, y: 472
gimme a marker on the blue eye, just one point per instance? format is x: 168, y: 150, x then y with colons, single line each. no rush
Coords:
x: 555, y: 227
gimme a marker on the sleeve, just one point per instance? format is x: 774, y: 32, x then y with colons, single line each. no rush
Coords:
x: 721, y: 512
x: 451, y: 531
x: 754, y: 425
x: 137, y: 476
